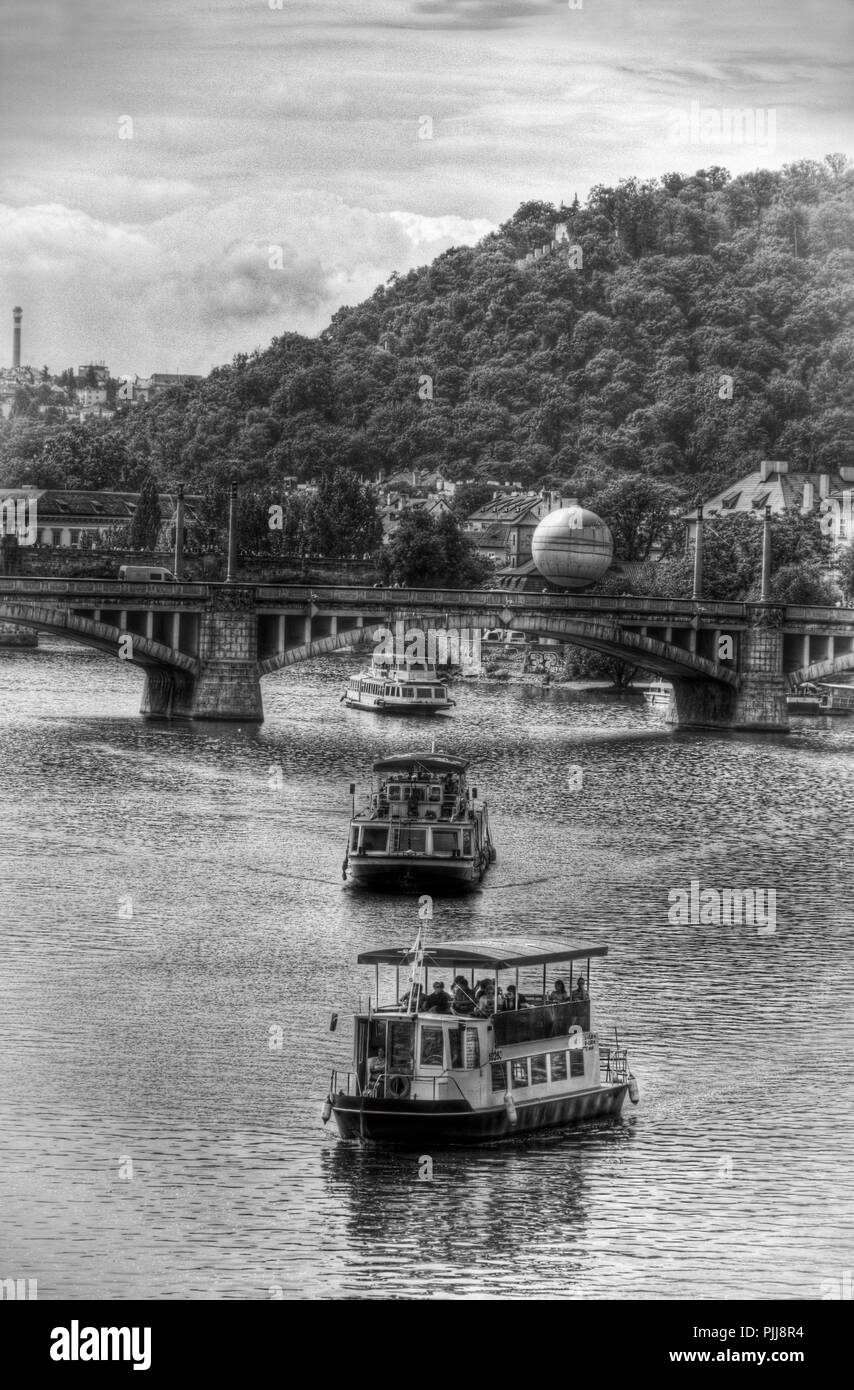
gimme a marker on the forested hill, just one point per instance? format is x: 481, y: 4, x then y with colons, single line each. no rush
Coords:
x: 555, y: 374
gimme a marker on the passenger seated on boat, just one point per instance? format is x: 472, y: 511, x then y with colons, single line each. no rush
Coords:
x: 438, y: 1001
x: 404, y: 1003
x: 580, y: 992
x: 559, y: 994
x: 510, y: 1000
x: 485, y: 1002
x: 463, y: 1000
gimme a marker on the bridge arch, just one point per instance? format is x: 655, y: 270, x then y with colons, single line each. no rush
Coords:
x: 822, y: 670
x: 352, y: 638
x: 665, y: 658
x: 104, y: 637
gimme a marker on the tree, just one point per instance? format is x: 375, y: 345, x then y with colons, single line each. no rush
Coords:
x: 640, y: 513
x: 845, y: 568
x: 146, y: 520
x: 343, y: 517
x: 423, y: 552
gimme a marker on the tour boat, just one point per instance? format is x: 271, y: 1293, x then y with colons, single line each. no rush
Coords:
x: 658, y: 694
x: 480, y: 1072
x: 836, y: 699
x: 806, y: 699
x: 419, y: 824
x: 398, y: 685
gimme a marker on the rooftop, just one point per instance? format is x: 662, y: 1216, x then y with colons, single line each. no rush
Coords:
x: 507, y: 954
x: 430, y: 762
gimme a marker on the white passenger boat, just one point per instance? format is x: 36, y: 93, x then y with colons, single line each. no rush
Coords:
x: 836, y: 699
x: 523, y: 1058
x: 805, y: 699
x: 658, y: 694
x: 419, y: 824
x: 397, y: 685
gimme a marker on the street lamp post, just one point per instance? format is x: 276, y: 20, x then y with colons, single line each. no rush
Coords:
x: 698, y: 555
x: 765, y: 589
x: 231, y: 572
x: 178, y: 566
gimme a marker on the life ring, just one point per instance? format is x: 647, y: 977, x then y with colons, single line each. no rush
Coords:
x: 576, y: 1036
x: 398, y: 1087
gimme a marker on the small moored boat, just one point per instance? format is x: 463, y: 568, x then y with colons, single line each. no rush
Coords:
x: 522, y: 1060
x: 658, y: 694
x: 836, y: 699
x: 806, y: 699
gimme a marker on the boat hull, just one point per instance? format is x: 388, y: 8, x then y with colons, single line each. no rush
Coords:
x: 400, y: 707
x: 454, y: 1122
x: 394, y: 870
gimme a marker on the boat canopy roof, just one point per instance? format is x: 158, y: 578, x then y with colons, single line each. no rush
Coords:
x: 512, y: 952
x: 431, y: 762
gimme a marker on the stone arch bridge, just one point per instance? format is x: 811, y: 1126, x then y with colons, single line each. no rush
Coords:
x: 204, y: 648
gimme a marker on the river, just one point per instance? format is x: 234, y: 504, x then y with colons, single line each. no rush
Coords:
x: 172, y: 893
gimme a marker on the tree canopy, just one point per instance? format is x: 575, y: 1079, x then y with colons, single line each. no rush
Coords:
x: 709, y: 324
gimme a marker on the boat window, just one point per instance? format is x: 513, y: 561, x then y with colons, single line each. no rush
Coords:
x: 539, y: 1072
x: 374, y: 839
x: 444, y: 841
x: 394, y: 792
x: 424, y: 692
x: 401, y: 1044
x: 440, y: 692
x: 466, y: 842
x: 558, y: 1065
x: 519, y: 1072
x: 416, y: 839
x: 576, y: 1062
x: 408, y: 693
x: 499, y: 1077
x: 387, y: 690
x: 434, y: 792
x: 455, y: 1038
x: 432, y: 1047
x: 472, y: 1049
x: 354, y: 837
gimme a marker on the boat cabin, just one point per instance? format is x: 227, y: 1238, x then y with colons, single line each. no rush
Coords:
x: 522, y: 1041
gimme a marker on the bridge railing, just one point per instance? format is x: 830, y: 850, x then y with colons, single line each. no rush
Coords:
x: 491, y: 599
x: 360, y: 596
x: 126, y: 590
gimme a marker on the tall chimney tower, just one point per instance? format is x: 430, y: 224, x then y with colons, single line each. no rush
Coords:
x: 17, y: 315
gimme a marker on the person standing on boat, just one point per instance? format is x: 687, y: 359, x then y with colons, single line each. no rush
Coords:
x: 580, y: 992
x: 559, y: 994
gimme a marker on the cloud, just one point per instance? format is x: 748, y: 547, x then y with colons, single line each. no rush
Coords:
x: 299, y: 128
x: 196, y: 287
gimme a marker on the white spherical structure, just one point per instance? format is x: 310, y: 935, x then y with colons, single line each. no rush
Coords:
x: 572, y: 547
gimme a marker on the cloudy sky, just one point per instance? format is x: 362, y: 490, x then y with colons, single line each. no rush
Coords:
x: 155, y: 153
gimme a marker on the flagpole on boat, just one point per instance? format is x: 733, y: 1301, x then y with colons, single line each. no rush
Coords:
x: 415, y: 973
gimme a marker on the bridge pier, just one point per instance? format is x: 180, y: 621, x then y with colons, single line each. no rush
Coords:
x: 759, y: 703
x: 228, y: 683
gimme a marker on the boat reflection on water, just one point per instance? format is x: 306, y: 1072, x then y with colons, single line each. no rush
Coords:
x: 472, y: 1208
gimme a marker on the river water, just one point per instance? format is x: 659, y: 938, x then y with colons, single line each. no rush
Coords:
x: 171, y: 894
